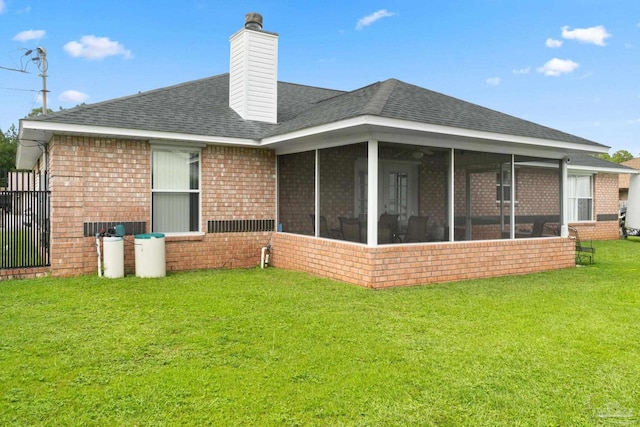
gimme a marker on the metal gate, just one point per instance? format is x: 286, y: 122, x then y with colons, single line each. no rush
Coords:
x: 24, y: 220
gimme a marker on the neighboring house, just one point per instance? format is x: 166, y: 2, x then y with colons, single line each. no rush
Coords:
x: 623, y: 183
x: 225, y: 165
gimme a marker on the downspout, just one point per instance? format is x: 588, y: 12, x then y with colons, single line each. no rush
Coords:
x: 45, y: 149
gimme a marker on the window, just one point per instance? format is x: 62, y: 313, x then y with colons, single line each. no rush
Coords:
x: 580, y: 197
x: 175, y: 190
x: 503, y: 186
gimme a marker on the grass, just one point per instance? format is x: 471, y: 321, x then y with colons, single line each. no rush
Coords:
x: 273, y: 347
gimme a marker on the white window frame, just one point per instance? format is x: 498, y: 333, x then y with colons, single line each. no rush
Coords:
x: 504, y: 182
x: 573, y: 198
x: 183, y: 150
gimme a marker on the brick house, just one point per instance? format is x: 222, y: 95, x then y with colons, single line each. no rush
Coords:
x: 225, y: 165
x: 623, y: 180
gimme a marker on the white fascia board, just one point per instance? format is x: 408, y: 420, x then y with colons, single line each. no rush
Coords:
x: 316, y: 130
x: 592, y: 169
x: 435, y: 129
x: 104, y: 131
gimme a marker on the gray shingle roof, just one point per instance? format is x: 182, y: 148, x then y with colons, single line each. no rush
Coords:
x: 596, y: 162
x: 201, y: 107
x: 398, y: 100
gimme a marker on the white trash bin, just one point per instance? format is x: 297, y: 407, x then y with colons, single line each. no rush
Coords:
x: 113, y: 263
x: 150, y: 255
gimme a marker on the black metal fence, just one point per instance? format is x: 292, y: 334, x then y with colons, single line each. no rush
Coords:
x: 24, y: 220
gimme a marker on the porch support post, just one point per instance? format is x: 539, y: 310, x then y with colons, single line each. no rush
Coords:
x: 468, y: 222
x: 317, y: 195
x: 564, y: 203
x: 372, y: 193
x: 512, y: 205
x: 451, y: 202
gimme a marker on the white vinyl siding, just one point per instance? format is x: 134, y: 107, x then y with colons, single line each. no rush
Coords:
x: 253, y: 81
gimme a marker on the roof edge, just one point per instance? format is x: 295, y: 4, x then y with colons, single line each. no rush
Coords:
x: 407, y: 125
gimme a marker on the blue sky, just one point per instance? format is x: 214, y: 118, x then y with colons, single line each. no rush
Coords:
x: 573, y: 65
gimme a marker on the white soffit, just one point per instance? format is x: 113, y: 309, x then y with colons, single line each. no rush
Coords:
x: 404, y: 125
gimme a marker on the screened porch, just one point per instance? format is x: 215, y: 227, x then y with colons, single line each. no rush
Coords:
x: 378, y: 193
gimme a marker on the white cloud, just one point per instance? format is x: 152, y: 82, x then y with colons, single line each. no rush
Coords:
x: 633, y: 122
x: 552, y: 43
x: 92, y: 47
x: 25, y: 36
x: 370, y: 19
x: 526, y: 70
x: 556, y: 67
x: 595, y: 35
x: 493, y: 81
x: 3, y: 7
x: 73, y: 96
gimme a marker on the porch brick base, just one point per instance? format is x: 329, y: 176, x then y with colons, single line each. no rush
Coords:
x: 406, y: 265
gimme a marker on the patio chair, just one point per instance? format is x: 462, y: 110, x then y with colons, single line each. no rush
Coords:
x: 350, y: 228
x: 551, y: 229
x: 584, y: 252
x: 417, y: 229
x: 385, y: 235
x: 392, y: 219
x: 324, y: 228
x: 538, y: 227
x: 536, y: 230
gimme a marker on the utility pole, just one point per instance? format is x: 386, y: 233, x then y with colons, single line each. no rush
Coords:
x: 43, y: 65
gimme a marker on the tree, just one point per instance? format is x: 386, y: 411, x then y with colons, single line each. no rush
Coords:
x: 38, y: 112
x: 617, y: 157
x: 8, y: 147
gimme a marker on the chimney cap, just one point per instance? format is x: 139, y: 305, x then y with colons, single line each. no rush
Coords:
x: 253, y: 21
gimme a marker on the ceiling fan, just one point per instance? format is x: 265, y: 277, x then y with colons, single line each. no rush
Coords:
x: 417, y: 153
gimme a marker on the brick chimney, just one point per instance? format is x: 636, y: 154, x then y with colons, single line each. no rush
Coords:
x: 253, y: 78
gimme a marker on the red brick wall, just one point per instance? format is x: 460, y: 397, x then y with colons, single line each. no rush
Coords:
x: 24, y: 273
x: 94, y: 179
x: 404, y: 265
x: 296, y: 191
x: 433, y: 189
x: 337, y: 185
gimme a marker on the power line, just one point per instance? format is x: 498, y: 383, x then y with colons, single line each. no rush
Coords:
x: 15, y: 69
x: 23, y: 90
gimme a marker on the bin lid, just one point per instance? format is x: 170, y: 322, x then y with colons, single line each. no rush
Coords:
x: 150, y: 236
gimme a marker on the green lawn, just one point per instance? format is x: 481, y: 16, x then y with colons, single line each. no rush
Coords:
x: 272, y: 347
